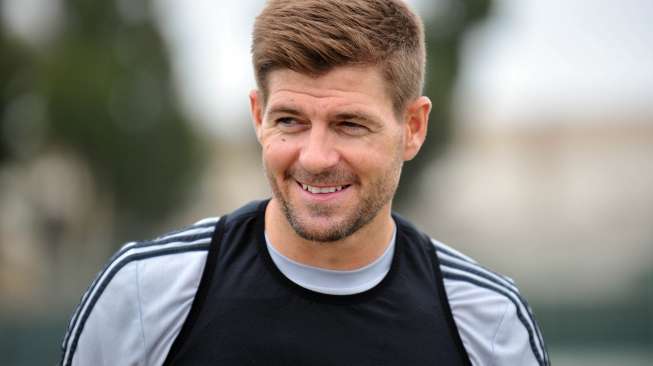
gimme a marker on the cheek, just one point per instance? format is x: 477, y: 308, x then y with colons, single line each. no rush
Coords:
x: 367, y: 163
x: 377, y: 157
x: 278, y: 154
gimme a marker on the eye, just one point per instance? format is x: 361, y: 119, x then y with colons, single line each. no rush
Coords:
x: 289, y: 124
x: 286, y: 121
x: 353, y: 128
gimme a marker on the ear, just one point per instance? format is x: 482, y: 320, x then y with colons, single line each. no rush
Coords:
x: 415, y: 124
x: 256, y: 110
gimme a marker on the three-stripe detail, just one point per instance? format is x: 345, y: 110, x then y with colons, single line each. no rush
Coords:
x: 458, y: 267
x: 193, y: 238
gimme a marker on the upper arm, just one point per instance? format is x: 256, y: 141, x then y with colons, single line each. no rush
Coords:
x: 511, y: 344
x: 107, y: 328
x: 132, y: 312
x: 496, y: 328
x: 494, y: 321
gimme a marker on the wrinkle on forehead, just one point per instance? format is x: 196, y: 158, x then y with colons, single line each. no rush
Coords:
x: 288, y: 98
x: 351, y: 80
x: 320, y: 93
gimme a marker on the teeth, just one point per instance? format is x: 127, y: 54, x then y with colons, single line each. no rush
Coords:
x: 321, y: 189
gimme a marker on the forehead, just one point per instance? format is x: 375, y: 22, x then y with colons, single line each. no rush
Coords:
x: 360, y: 85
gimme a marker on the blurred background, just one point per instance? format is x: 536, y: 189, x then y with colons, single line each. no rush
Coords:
x: 120, y: 120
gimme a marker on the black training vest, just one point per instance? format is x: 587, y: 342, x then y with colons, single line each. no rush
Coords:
x: 246, y: 312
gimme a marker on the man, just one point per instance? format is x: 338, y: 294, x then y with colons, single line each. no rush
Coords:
x: 323, y: 273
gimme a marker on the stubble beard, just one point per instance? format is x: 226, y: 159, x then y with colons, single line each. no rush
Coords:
x: 373, y: 199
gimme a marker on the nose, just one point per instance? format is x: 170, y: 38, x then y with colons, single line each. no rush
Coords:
x: 318, y: 153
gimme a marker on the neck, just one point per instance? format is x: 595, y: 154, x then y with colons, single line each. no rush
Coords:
x: 355, y: 251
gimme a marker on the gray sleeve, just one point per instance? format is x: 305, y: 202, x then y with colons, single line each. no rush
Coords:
x: 136, y: 306
x: 495, y: 323
x: 510, y: 345
x: 167, y: 289
x: 112, y: 332
x: 491, y: 327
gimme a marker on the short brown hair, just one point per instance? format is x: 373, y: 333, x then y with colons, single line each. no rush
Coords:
x: 314, y: 36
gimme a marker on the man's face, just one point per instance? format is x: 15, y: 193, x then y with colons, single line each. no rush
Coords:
x: 332, y: 149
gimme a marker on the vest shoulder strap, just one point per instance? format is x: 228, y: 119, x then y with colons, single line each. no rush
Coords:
x: 202, y: 292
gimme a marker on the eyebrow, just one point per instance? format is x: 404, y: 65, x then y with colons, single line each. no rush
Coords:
x: 283, y: 109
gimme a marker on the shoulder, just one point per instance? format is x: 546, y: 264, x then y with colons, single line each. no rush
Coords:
x: 133, y: 306
x: 494, y: 321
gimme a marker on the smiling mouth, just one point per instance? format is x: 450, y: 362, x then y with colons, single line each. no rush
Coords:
x: 322, y: 190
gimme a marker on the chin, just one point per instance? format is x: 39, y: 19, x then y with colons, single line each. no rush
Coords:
x: 322, y: 228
